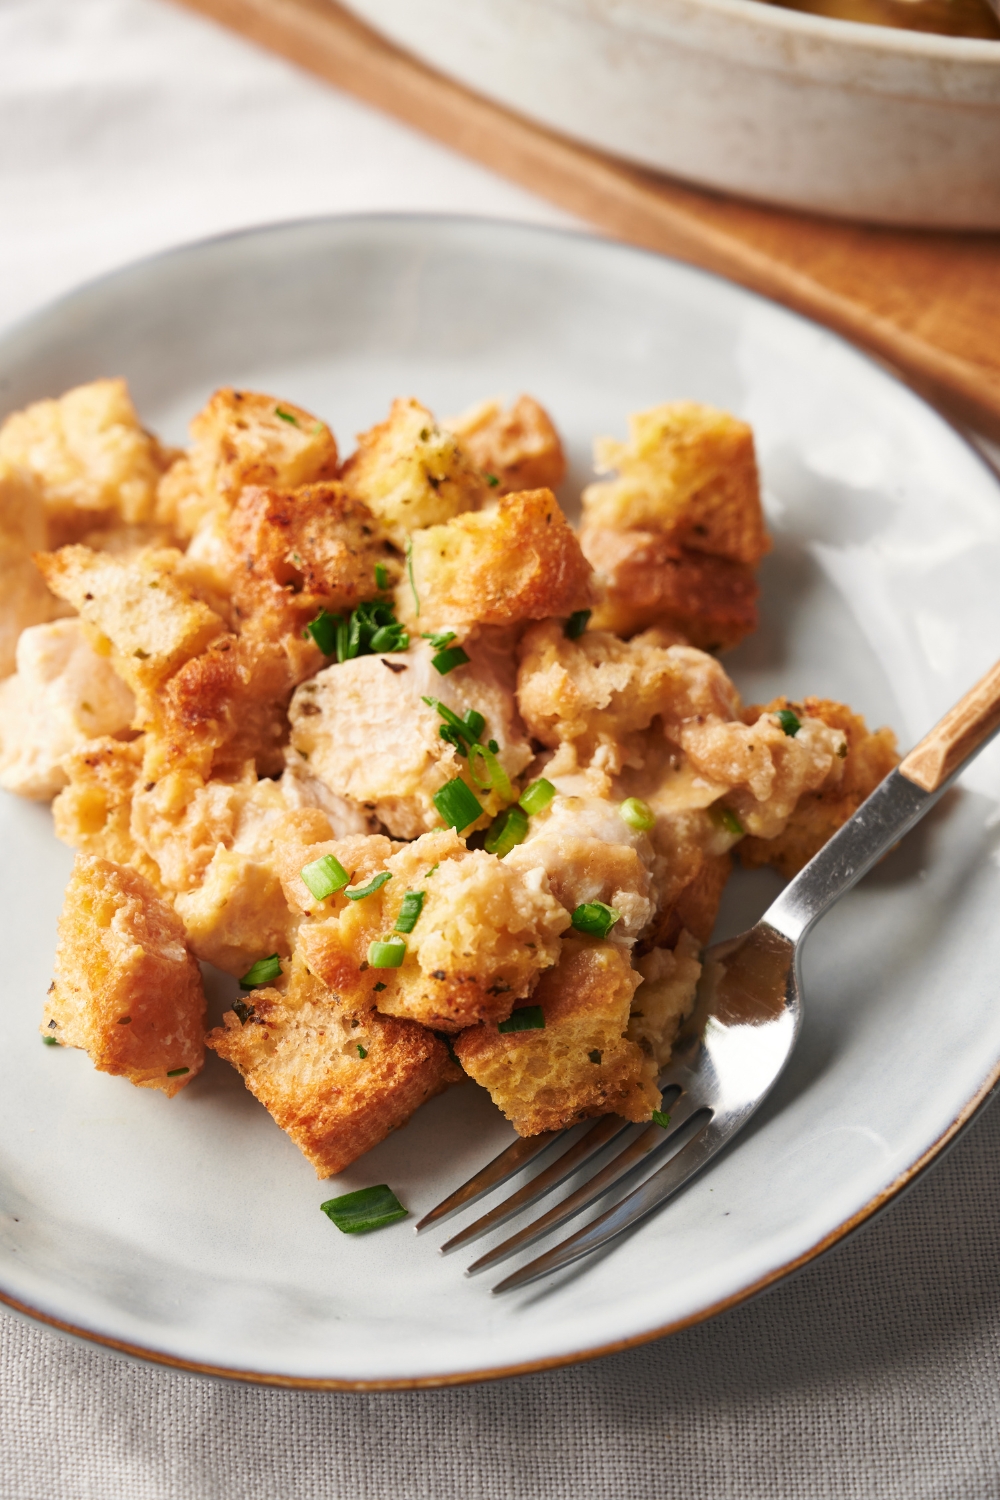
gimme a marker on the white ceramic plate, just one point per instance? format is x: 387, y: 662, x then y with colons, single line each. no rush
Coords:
x: 189, y: 1230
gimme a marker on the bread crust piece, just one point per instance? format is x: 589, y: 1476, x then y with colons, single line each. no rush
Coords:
x: 687, y: 472
x: 520, y: 561
x: 24, y: 598
x: 126, y: 989
x: 820, y: 811
x: 304, y: 1062
x: 517, y: 449
x: 546, y: 1079
x: 646, y: 579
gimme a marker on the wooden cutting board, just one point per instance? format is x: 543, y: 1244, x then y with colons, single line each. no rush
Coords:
x: 928, y: 303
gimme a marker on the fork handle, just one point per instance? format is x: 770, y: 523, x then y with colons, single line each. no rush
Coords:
x: 893, y: 808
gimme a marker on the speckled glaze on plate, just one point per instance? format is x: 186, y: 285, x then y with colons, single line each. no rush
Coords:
x: 188, y: 1230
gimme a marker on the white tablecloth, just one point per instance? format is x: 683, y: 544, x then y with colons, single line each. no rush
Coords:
x: 125, y: 126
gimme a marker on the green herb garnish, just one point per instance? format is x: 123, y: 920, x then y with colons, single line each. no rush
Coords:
x: 725, y: 818
x: 790, y: 723
x: 358, y: 893
x: 243, y: 1011
x: 659, y: 1118
x: 262, y: 972
x: 413, y: 905
x: 576, y: 624
x: 462, y: 733
x: 49, y: 1041
x: 177, y: 1072
x: 362, y: 1051
x: 638, y: 814
x: 324, y: 631
x: 446, y: 661
x: 536, y: 797
x: 369, y: 1208
x: 286, y: 416
x: 595, y: 918
x: 381, y: 576
x: 438, y: 638
x: 324, y: 876
x: 506, y: 832
x: 457, y: 804
x: 492, y: 481
x: 409, y: 574
x: 527, y: 1018
x: 386, y: 953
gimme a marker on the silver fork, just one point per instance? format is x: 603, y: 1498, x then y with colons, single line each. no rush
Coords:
x: 739, y: 1038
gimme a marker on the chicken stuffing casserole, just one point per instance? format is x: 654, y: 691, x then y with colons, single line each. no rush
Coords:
x: 452, y: 788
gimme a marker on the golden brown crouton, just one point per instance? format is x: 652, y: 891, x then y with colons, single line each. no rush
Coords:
x: 243, y: 438
x: 517, y: 449
x: 90, y: 458
x: 580, y: 1063
x: 645, y: 579
x: 518, y: 562
x: 820, y: 811
x: 336, y: 1083
x: 24, y: 598
x: 411, y: 473
x: 483, y: 934
x: 688, y: 472
x: 93, y: 814
x: 63, y: 695
x: 126, y: 989
x: 665, y: 997
x: 694, y: 907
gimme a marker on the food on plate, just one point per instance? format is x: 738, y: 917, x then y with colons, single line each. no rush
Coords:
x: 452, y: 788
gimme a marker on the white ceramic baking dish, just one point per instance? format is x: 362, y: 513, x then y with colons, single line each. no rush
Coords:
x: 891, y: 126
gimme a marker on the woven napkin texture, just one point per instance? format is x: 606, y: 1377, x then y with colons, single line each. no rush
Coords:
x: 128, y: 125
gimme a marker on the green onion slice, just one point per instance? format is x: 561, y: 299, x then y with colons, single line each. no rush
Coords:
x: 506, y: 831
x: 413, y: 905
x: 790, y: 723
x: 381, y: 576
x: 324, y: 631
x: 438, y: 638
x: 49, y: 1041
x: 178, y: 1072
x: 362, y: 1051
x: 386, y: 953
x: 262, y: 972
x: 446, y: 661
x: 638, y: 814
x: 536, y: 797
x: 492, y: 481
x: 727, y: 819
x: 409, y: 574
x: 595, y: 918
x: 286, y: 416
x: 358, y: 893
x: 659, y: 1118
x: 324, y: 876
x: 369, y: 1208
x: 527, y: 1018
x: 457, y: 804
x: 576, y: 624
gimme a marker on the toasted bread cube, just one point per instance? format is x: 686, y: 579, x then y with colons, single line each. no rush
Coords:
x: 646, y: 580
x: 93, y: 814
x: 150, y: 623
x: 411, y: 473
x: 819, y: 811
x: 24, y: 598
x: 89, y: 457
x: 63, y: 695
x: 336, y: 1083
x: 520, y: 561
x: 693, y: 907
x: 665, y: 997
x: 126, y: 989
x: 517, y: 449
x: 243, y: 438
x: 363, y: 729
x: 580, y: 1064
x: 687, y: 472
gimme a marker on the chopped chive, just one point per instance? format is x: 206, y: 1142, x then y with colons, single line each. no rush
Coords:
x: 576, y: 624
x: 262, y: 972
x: 492, y: 745
x: 498, y: 781
x: 790, y: 723
x: 446, y: 661
x: 177, y: 1072
x: 506, y: 831
x: 387, y: 953
x: 536, y: 797
x: 594, y: 1056
x: 492, y: 481
x: 409, y: 574
x: 49, y: 1041
x: 413, y: 904
x: 475, y: 722
x: 324, y: 631
x: 243, y: 1011
x: 725, y: 818
x: 457, y: 804
x: 358, y: 893
x: 438, y: 638
x: 286, y: 416
x: 433, y: 868
x: 362, y: 1051
x: 381, y: 576
x: 638, y: 814
x: 527, y: 1018
x: 659, y: 1118
x: 368, y: 1208
x: 324, y: 876
x: 595, y: 918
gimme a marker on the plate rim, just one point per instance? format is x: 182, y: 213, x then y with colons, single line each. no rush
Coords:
x: 907, y: 1178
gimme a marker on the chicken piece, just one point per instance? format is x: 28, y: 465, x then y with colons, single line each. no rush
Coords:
x: 517, y: 449
x: 484, y: 933
x: 687, y: 472
x: 819, y: 812
x: 665, y: 997
x: 62, y: 695
x: 520, y: 561
x: 243, y: 438
x: 411, y: 473
x: 589, y: 853
x: 24, y: 598
x: 362, y: 728
x: 299, y: 789
x: 92, y: 461
x: 126, y: 990
x: 336, y: 1083
x: 578, y: 1065
x: 646, y: 580
x: 93, y: 814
